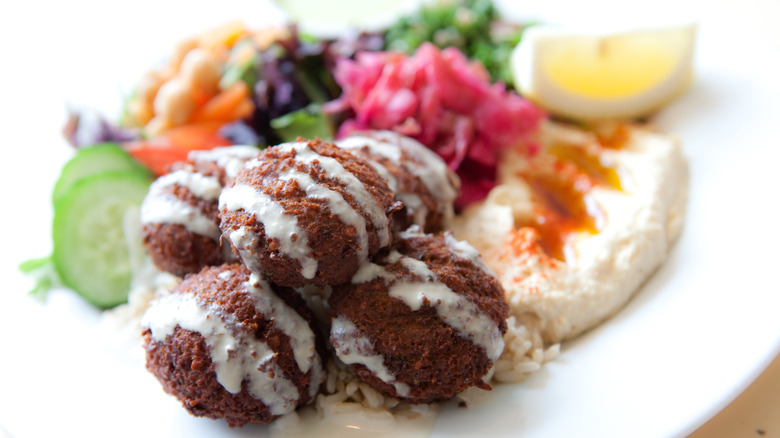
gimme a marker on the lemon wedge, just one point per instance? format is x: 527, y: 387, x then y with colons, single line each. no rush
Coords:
x: 590, y: 76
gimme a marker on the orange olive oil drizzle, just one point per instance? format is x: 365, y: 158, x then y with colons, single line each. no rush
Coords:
x: 589, y: 163
x: 560, y: 212
x: 615, y: 136
x: 563, y: 204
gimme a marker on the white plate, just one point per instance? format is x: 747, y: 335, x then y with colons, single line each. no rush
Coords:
x: 695, y: 336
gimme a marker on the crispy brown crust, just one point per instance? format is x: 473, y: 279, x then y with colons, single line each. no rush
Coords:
x: 407, y: 182
x: 333, y: 243
x: 459, y: 274
x: 209, y: 208
x: 182, y: 362
x: 205, y: 167
x: 418, y: 347
x: 183, y: 366
x: 175, y: 249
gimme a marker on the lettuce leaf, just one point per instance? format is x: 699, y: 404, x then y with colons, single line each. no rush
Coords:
x: 308, y: 122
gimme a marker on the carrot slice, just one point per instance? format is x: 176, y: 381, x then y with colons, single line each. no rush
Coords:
x: 160, y: 152
x: 200, y: 97
x: 228, y: 105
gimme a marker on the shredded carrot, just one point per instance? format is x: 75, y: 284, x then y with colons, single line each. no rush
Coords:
x: 244, y: 109
x: 208, y: 125
x: 160, y: 152
x: 228, y: 105
x: 200, y: 97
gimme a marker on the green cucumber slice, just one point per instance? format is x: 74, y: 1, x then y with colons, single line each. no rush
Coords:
x: 91, y: 252
x: 94, y: 159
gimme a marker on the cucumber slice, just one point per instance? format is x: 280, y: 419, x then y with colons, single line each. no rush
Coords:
x: 94, y: 159
x: 90, y: 250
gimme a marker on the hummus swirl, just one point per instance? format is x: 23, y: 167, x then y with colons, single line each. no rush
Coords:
x: 637, y: 223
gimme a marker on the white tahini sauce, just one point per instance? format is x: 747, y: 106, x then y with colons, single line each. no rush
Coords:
x: 460, y: 248
x: 230, y: 158
x: 369, y: 271
x: 336, y: 204
x: 352, y: 347
x: 237, y: 354
x: 412, y: 201
x: 378, y: 147
x: 202, y: 186
x: 356, y: 142
x: 253, y: 362
x: 278, y: 224
x: 160, y: 207
x: 427, y: 166
x: 293, y: 325
x: 423, y: 163
x: 168, y: 209
x: 464, y: 250
x: 334, y: 170
x: 454, y: 309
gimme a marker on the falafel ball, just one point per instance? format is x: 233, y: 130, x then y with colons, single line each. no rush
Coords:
x: 422, y: 323
x: 228, y: 345
x: 307, y: 213
x: 420, y: 179
x: 180, y: 214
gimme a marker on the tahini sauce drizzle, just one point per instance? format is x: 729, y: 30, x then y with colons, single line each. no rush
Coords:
x: 160, y: 207
x: 357, y: 142
x: 421, y: 162
x: 266, y: 380
x: 425, y: 164
x: 230, y: 158
x: 293, y: 325
x: 411, y: 201
x: 334, y: 170
x: 284, y: 227
x: 278, y: 224
x: 455, y: 310
x: 336, y: 204
x: 353, y: 347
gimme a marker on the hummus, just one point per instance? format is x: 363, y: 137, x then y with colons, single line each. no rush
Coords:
x: 619, y: 209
